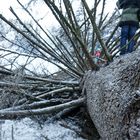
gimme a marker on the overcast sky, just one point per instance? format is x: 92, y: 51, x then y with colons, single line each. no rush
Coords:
x: 42, y: 11
x: 5, y: 4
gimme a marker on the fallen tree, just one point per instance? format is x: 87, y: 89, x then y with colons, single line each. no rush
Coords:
x: 110, y: 99
x: 113, y: 99
x: 69, y: 51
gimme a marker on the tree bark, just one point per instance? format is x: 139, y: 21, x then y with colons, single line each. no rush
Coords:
x: 113, y: 98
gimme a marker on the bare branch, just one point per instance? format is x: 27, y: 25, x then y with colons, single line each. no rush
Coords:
x: 47, y: 110
x: 107, y: 54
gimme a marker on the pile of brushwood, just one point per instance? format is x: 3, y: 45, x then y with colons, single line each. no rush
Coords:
x: 26, y: 96
x: 33, y: 95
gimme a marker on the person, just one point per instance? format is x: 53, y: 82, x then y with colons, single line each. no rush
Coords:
x: 97, y: 54
x: 129, y: 24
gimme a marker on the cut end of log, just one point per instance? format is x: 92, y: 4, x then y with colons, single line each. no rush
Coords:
x: 113, y: 98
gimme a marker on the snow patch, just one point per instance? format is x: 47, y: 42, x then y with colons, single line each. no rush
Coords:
x: 28, y: 129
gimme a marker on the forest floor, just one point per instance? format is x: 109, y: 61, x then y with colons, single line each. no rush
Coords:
x: 73, y: 126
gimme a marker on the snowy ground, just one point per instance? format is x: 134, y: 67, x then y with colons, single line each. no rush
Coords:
x: 27, y: 129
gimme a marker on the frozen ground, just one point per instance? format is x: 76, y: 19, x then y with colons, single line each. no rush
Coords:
x: 27, y: 129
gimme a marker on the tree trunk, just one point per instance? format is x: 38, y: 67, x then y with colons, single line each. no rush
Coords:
x: 113, y: 98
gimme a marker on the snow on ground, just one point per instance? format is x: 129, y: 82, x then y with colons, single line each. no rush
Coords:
x: 28, y: 129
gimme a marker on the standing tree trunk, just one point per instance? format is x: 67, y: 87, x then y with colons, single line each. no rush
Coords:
x: 113, y: 98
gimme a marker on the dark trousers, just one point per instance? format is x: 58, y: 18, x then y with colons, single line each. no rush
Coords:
x: 127, y: 34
